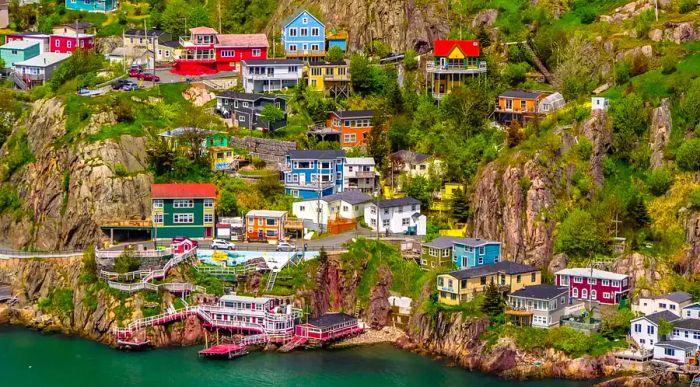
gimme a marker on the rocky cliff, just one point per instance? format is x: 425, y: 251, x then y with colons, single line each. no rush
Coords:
x: 401, y: 24
x: 68, y: 190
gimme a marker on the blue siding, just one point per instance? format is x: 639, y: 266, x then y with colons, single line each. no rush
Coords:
x: 466, y: 257
x: 305, y: 176
x: 10, y: 56
x: 91, y: 5
x: 292, y: 33
x: 340, y: 43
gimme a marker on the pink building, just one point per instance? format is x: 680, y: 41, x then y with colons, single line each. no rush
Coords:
x: 587, y: 284
x: 70, y: 42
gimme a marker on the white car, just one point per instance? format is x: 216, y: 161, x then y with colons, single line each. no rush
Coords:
x: 285, y: 246
x: 218, y: 244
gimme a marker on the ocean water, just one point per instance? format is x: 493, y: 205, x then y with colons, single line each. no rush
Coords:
x: 29, y: 358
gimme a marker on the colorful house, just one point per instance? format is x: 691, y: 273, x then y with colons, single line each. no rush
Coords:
x: 359, y: 174
x: 265, y: 225
x: 245, y: 109
x: 673, y: 302
x: 310, y: 174
x: 462, y: 252
x: 318, y: 214
x: 304, y: 37
x: 453, y: 63
x: 588, y: 284
x: 138, y: 45
x: 336, y: 38
x: 441, y: 200
x: 70, y: 42
x: 264, y: 76
x: 42, y: 39
x: 183, y: 210
x: 438, y: 252
x: 206, y: 51
x: 18, y: 50
x: 523, y: 106
x: 92, y: 5
x: 463, y: 285
x: 222, y: 158
x: 330, y: 78
x: 353, y: 126
x: 539, y: 306
x: 74, y: 28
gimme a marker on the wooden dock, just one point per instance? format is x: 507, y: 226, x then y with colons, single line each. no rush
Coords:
x: 224, y: 351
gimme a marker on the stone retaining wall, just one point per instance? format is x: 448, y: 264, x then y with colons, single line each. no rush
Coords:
x: 272, y: 151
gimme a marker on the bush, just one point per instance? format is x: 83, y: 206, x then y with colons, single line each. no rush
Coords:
x: 126, y: 263
x: 668, y: 64
x: 688, y: 155
x: 584, y: 149
x: 623, y: 73
x: 659, y: 181
x: 686, y: 6
x: 120, y: 170
x: 258, y: 163
x: 123, y: 111
x: 694, y: 199
x: 586, y: 15
x: 409, y: 59
x: 578, y: 234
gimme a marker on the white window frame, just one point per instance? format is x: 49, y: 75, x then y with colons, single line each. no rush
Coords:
x: 315, y: 31
x: 183, y: 203
x: 208, y: 203
x: 157, y: 203
x: 293, y: 32
x: 158, y: 218
x: 210, y: 216
x: 257, y: 52
x: 187, y: 218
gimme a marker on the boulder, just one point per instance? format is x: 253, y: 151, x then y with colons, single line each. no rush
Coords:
x: 660, y: 132
x: 485, y: 19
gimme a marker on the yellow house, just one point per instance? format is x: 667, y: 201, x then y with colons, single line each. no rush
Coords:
x: 442, y: 199
x: 462, y: 285
x: 222, y: 158
x: 331, y: 78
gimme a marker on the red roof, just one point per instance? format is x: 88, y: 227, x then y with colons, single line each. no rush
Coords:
x: 469, y: 48
x: 243, y: 40
x: 202, y: 30
x: 182, y: 191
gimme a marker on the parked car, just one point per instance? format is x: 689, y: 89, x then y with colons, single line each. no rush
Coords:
x: 119, y: 83
x: 134, y: 72
x: 130, y: 86
x: 180, y: 239
x: 285, y: 246
x: 148, y: 77
x: 219, y: 244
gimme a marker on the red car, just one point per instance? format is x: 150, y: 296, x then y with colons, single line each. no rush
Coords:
x: 148, y: 77
x: 134, y: 72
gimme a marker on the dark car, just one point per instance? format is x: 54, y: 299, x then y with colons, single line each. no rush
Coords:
x: 148, y: 77
x: 119, y: 83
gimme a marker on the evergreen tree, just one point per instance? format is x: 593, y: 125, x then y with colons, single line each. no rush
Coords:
x: 637, y: 211
x: 493, y: 301
x: 335, y: 54
x: 460, y: 205
x: 378, y: 142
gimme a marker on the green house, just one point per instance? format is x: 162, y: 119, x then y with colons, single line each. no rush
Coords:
x: 18, y: 51
x: 183, y: 210
x: 217, y: 139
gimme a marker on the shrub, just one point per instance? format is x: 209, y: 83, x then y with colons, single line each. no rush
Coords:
x: 659, y: 181
x: 694, y: 199
x: 623, y: 72
x: 686, y: 6
x: 668, y: 64
x: 120, y: 170
x: 257, y: 162
x: 126, y: 263
x: 688, y: 155
x: 409, y: 59
x: 578, y: 234
x: 123, y: 111
x: 586, y: 15
x: 584, y: 149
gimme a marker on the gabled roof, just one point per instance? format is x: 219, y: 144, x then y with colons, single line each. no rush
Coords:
x: 408, y: 156
x: 272, y: 62
x: 266, y: 213
x: 298, y: 13
x: 469, y: 48
x: 694, y: 305
x: 521, y: 94
x: 400, y: 202
x: 44, y: 60
x: 688, y: 323
x: 316, y: 154
x: 594, y: 273
x: 170, y: 43
x: 680, y: 344
x: 327, y: 64
x: 655, y: 317
x: 203, y: 30
x: 444, y: 242
x: 183, y: 191
x: 541, y: 292
x: 678, y: 297
x: 507, y: 267
x: 328, y: 320
x: 19, y: 44
x: 360, y: 161
x: 354, y: 113
x: 351, y: 197
x: 243, y: 40
x: 246, y: 96
x: 141, y: 32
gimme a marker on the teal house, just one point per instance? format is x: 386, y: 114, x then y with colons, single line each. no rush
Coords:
x: 475, y: 252
x: 183, y: 210
x: 19, y: 51
x: 217, y: 139
x: 92, y: 5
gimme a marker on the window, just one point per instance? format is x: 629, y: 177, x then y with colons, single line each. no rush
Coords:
x: 271, y: 233
x: 69, y: 44
x: 58, y: 44
x: 638, y: 328
x: 669, y: 351
x: 509, y: 104
x: 314, y: 47
x: 158, y: 218
x: 584, y: 293
x: 292, y: 32
x: 350, y: 138
x: 158, y: 203
x: 208, y: 203
x: 208, y: 218
x: 574, y: 293
x: 518, y: 278
x: 304, y: 31
x: 183, y: 203
x: 616, y: 283
x: 483, y: 280
x: 245, y: 104
x: 183, y: 218
x: 696, y: 335
x: 271, y: 221
x: 662, y: 305
x: 650, y: 329
x: 167, y: 53
x: 672, y: 306
x: 346, y: 208
x: 292, y: 47
x: 256, y: 52
x: 305, y: 20
x: 533, y: 276
x: 160, y: 52
x: 496, y: 259
x: 481, y: 260
x: 593, y: 294
x: 385, y: 222
x: 523, y: 105
x: 228, y: 53
x: 482, y: 250
x: 315, y: 31
x: 592, y: 281
x: 687, y: 313
x: 606, y: 295
x: 578, y: 280
x: 405, y: 222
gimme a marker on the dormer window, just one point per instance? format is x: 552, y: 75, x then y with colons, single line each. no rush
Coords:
x: 305, y: 20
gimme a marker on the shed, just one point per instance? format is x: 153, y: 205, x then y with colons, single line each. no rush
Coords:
x: 551, y: 103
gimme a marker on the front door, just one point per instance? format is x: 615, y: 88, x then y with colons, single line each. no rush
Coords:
x: 442, y: 62
x: 260, y: 234
x: 207, y: 232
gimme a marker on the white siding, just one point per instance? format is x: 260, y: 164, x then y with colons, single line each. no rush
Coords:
x: 394, y: 217
x: 645, y: 339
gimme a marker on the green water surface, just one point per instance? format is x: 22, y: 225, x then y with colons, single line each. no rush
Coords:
x: 33, y: 359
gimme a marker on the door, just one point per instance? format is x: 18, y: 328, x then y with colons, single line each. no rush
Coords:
x: 207, y: 232
x: 442, y: 63
x: 260, y: 234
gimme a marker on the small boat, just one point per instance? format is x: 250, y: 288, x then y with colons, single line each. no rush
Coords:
x: 133, y: 345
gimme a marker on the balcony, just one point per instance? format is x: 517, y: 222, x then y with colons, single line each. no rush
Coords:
x: 447, y: 289
x: 309, y: 185
x: 294, y: 224
x: 336, y: 78
x: 272, y: 76
x: 362, y: 175
x: 186, y: 41
x: 302, y: 53
x: 456, y: 69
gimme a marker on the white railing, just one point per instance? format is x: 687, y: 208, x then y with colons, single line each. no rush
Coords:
x: 224, y: 270
x: 432, y: 67
x: 147, y: 276
x: 136, y: 253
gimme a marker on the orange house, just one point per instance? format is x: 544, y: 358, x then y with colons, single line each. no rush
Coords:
x: 518, y: 105
x: 264, y: 225
x: 353, y: 125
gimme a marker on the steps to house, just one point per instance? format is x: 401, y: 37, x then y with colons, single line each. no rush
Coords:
x: 271, y: 280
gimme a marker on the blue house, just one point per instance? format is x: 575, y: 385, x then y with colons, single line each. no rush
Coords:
x: 310, y: 174
x: 18, y: 51
x: 474, y: 252
x: 304, y: 37
x: 92, y: 5
x: 337, y: 38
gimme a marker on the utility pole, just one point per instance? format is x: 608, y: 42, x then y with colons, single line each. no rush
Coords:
x: 218, y: 5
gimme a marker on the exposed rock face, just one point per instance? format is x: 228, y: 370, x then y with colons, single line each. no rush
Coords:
x: 485, y: 19
x: 379, y: 310
x: 627, y: 11
x: 198, y: 94
x: 597, y: 131
x: 558, y: 262
x: 691, y: 260
x: 335, y: 289
x: 643, y: 271
x: 681, y: 32
x: 401, y: 24
x: 69, y: 191
x: 660, y: 132
x: 512, y: 206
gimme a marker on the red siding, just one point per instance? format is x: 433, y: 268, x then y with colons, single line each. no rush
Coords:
x: 598, y: 287
x: 59, y: 43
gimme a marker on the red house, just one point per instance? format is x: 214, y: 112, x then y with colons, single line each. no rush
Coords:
x: 70, y: 42
x: 328, y: 327
x: 588, y: 284
x: 206, y: 51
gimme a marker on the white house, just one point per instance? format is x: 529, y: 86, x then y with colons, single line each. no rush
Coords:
x: 599, y: 103
x: 673, y: 302
x: 359, y: 174
x: 261, y: 76
x: 645, y: 330
x: 687, y: 330
x: 396, y: 216
x: 414, y: 164
x: 674, y: 351
x: 346, y: 205
x: 691, y: 311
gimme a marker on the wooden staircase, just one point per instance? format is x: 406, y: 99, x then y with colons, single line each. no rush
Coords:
x: 296, y: 342
x: 271, y: 280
